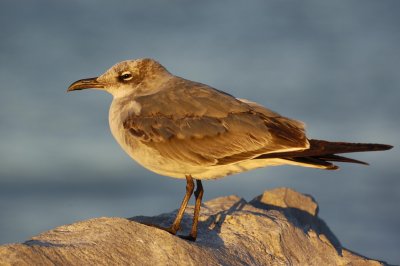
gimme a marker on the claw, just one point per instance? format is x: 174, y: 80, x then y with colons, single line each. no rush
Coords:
x: 170, y: 230
x: 188, y: 237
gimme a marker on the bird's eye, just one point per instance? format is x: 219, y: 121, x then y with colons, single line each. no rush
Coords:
x: 126, y: 75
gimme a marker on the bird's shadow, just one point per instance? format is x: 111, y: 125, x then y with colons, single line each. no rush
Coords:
x: 304, y: 221
x: 210, y: 228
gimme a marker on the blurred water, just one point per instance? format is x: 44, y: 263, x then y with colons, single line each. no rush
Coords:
x: 333, y: 65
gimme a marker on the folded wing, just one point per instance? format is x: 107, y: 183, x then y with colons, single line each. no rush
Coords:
x: 203, y: 126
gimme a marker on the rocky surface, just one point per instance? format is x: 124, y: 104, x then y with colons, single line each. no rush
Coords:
x: 279, y: 227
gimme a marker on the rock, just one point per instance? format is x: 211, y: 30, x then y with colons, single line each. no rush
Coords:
x: 279, y: 227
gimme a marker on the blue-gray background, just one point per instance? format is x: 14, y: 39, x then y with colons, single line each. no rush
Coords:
x: 333, y: 64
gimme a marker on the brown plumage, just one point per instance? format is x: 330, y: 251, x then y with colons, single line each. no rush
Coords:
x: 190, y: 122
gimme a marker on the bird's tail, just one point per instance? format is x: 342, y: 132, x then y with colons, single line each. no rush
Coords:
x: 322, y: 152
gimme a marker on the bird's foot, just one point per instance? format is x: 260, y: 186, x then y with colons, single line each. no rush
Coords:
x: 170, y: 230
x: 188, y: 237
x: 173, y: 231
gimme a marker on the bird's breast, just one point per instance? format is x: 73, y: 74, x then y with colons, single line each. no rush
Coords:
x: 149, y: 158
x: 120, y: 110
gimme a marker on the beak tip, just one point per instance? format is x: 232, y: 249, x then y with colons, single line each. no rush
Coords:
x: 70, y: 88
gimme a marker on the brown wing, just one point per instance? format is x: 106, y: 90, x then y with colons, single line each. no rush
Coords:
x: 181, y: 98
x: 196, y: 124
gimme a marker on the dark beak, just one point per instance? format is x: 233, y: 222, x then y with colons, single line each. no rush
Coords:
x: 83, y: 84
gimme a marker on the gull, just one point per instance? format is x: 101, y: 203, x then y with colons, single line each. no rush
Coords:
x: 184, y: 129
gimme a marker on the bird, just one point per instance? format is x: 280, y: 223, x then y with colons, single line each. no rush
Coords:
x: 185, y: 129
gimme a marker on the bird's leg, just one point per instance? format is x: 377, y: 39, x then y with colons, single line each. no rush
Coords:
x: 198, y: 195
x: 189, y: 190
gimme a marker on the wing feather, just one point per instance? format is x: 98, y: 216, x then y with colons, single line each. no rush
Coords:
x: 196, y: 124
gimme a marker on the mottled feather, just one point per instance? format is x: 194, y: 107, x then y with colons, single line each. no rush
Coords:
x: 195, y: 124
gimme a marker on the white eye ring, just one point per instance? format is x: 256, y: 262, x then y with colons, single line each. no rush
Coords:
x: 126, y: 75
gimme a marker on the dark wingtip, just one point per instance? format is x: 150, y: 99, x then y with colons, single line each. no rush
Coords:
x: 387, y: 147
x: 380, y: 147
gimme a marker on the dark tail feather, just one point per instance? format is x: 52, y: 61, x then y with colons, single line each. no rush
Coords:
x: 320, y: 148
x: 327, y: 147
x: 313, y: 161
x: 337, y: 158
x: 322, y: 152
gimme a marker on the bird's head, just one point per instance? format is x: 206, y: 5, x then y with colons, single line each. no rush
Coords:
x: 125, y: 78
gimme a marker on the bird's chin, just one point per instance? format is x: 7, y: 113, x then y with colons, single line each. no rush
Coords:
x: 83, y: 84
